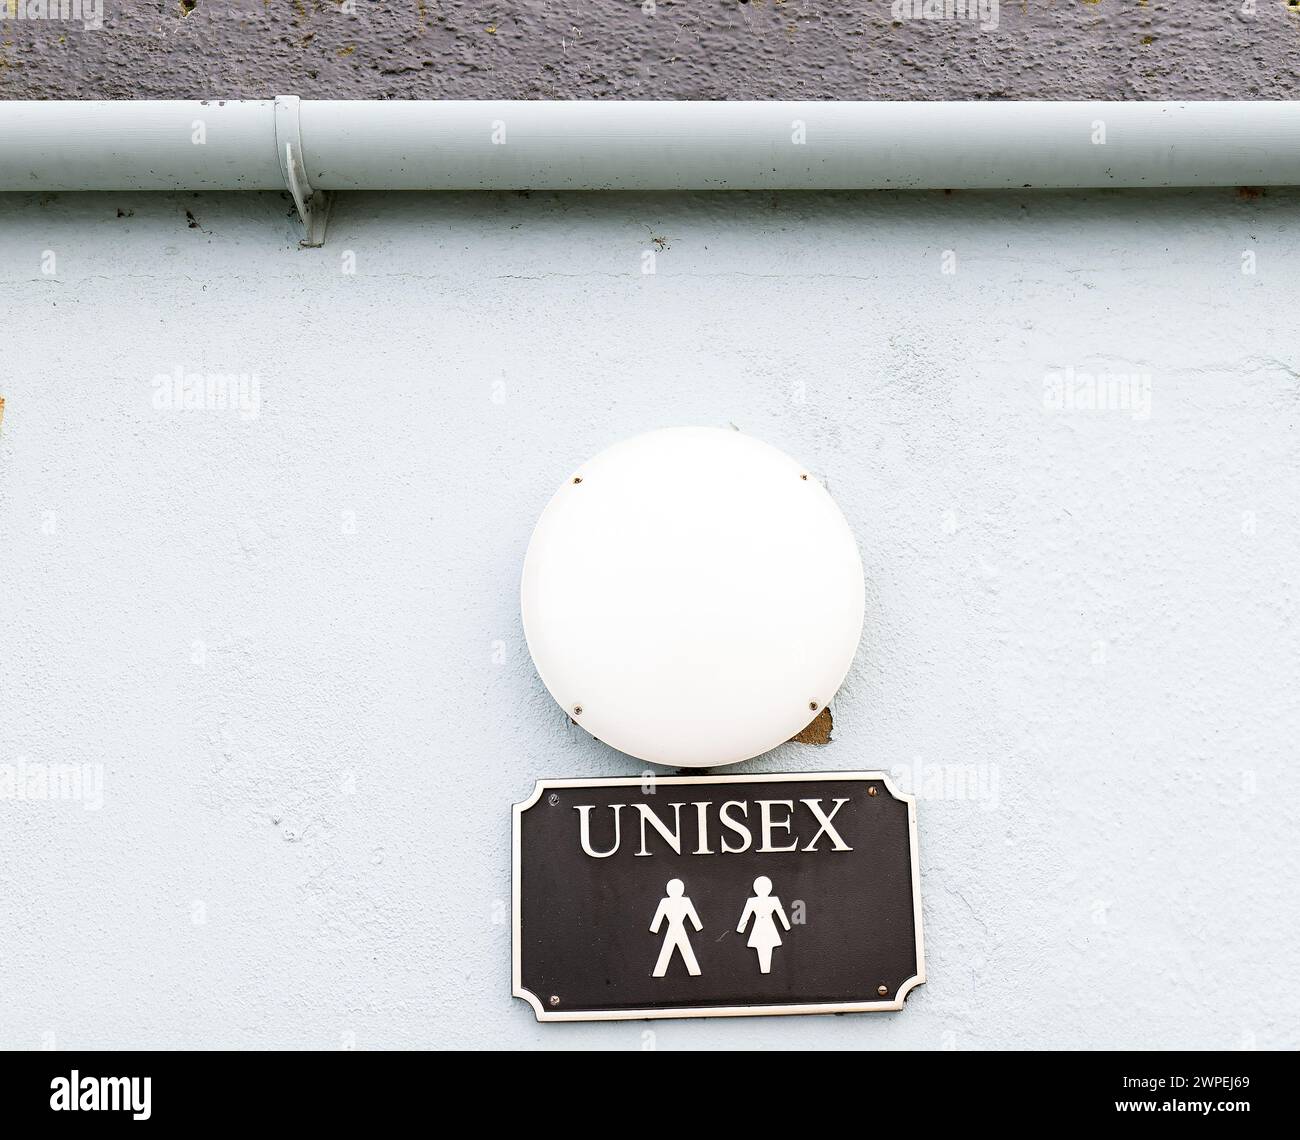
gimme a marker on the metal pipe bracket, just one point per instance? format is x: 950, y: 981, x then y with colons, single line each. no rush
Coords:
x: 313, y: 205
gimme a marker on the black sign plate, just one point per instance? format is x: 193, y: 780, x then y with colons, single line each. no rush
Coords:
x: 716, y: 896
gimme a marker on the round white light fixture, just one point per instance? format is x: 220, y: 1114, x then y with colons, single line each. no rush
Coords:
x: 692, y: 597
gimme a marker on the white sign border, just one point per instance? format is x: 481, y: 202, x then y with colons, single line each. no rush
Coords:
x: 544, y: 1014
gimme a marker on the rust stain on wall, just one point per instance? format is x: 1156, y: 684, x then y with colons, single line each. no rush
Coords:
x: 818, y: 731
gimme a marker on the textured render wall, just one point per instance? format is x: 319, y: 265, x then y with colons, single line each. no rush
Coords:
x: 292, y: 643
x: 686, y: 49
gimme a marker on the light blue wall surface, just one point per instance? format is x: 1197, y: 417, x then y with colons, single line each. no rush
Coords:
x: 290, y: 643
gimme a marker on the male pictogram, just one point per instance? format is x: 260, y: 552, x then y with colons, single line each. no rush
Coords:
x: 676, y: 908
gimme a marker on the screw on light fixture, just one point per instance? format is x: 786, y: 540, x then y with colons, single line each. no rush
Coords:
x: 883, y: 991
x: 873, y: 790
x: 555, y: 999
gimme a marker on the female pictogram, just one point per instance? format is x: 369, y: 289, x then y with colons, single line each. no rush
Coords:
x: 763, y: 936
x: 676, y: 908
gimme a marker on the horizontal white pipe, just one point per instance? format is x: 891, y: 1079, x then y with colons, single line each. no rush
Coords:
x: 145, y: 145
x: 463, y: 145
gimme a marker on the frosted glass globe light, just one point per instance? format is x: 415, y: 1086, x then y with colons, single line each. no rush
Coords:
x: 692, y: 597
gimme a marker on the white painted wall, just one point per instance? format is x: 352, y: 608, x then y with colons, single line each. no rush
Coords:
x: 293, y: 641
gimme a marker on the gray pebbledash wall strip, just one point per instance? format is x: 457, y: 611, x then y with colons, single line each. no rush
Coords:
x: 658, y: 49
